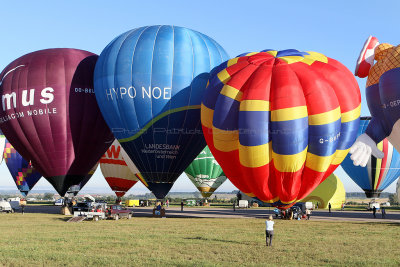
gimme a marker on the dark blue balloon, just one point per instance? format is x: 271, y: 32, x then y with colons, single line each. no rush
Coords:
x: 23, y: 173
x: 149, y: 83
x: 379, y: 173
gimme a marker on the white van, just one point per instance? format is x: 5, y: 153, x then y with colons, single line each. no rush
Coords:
x: 5, y: 206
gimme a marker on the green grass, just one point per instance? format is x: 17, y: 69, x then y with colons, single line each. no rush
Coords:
x: 47, y: 240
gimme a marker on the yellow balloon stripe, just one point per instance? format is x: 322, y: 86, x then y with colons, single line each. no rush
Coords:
x: 255, y: 156
x: 225, y: 141
x: 324, y: 118
x: 292, y: 59
x: 351, y: 115
x: 232, y: 61
x: 224, y: 76
x: 287, y: 114
x: 339, y: 156
x: 254, y: 105
x: 315, y: 56
x: 207, y: 116
x: 289, y: 163
x: 231, y: 92
x: 378, y: 165
x: 319, y: 163
x: 272, y: 52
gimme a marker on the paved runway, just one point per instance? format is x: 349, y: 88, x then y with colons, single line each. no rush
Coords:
x: 175, y: 212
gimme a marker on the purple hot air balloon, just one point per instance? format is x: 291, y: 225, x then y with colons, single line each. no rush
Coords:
x: 50, y: 115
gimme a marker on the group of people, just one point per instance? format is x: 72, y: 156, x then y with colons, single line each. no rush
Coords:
x: 383, y: 210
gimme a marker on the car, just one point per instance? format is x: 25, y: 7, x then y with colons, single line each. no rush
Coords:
x: 59, y: 202
x: 118, y: 211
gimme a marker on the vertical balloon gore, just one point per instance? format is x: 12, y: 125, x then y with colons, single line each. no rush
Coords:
x: 149, y: 83
x: 50, y: 114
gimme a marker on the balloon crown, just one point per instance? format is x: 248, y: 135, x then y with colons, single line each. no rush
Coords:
x: 288, y: 55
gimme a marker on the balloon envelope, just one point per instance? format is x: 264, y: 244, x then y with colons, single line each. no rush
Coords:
x: 329, y: 191
x: 49, y: 113
x: 379, y: 173
x: 149, y: 83
x: 22, y: 171
x: 115, y: 170
x: 76, y: 188
x: 2, y: 143
x: 205, y: 173
x: 279, y: 122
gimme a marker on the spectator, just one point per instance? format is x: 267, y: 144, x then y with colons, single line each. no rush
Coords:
x: 329, y: 206
x: 374, y: 211
x: 383, y: 212
x: 269, y: 231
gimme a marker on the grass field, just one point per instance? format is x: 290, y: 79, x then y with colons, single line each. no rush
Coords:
x: 47, y: 240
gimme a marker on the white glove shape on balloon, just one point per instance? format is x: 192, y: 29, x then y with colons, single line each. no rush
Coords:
x: 362, y: 149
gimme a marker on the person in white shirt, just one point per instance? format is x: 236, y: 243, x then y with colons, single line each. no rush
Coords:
x: 269, y: 231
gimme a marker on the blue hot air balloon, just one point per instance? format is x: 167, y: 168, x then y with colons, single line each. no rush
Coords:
x: 149, y: 83
x: 378, y: 173
x: 23, y: 173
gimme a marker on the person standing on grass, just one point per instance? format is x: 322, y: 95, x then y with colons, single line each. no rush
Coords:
x: 308, y: 213
x: 374, y: 211
x: 269, y: 230
x: 182, y: 205
x: 329, y: 206
x: 383, y: 212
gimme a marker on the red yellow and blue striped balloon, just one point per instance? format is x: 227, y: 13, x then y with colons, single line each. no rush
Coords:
x: 279, y: 122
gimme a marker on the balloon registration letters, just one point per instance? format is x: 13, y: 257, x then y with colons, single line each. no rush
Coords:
x: 145, y: 92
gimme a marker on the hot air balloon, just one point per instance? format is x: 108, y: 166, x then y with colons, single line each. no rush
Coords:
x: 378, y: 173
x: 149, y: 83
x: 2, y: 143
x: 50, y: 115
x: 76, y: 188
x: 205, y: 173
x: 22, y: 171
x: 118, y: 175
x: 279, y: 122
x: 383, y: 98
x: 329, y: 191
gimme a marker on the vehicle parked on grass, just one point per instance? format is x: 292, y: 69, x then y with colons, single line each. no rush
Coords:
x: 373, y: 204
x: 59, y: 202
x: 14, y: 202
x: 117, y: 211
x: 90, y: 210
x: 132, y: 203
x: 5, y: 206
x: 297, y: 213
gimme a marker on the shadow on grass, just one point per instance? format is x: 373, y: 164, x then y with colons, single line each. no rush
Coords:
x: 396, y: 224
x: 213, y: 239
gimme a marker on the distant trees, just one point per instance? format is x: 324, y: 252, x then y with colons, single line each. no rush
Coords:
x: 393, y: 200
x: 48, y: 196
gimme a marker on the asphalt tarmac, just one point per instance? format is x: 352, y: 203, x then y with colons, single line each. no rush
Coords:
x: 262, y: 213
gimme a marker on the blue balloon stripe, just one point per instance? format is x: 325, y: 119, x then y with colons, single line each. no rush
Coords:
x: 254, y: 128
x: 228, y: 113
x: 289, y: 137
x: 323, y: 139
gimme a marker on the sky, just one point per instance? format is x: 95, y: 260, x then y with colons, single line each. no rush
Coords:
x: 337, y: 29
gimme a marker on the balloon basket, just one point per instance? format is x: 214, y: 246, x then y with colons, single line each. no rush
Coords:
x: 65, y: 210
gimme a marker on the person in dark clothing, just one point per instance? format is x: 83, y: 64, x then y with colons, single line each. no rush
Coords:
x: 374, y: 211
x: 234, y: 206
x: 383, y: 212
x: 329, y: 206
x: 181, y: 205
